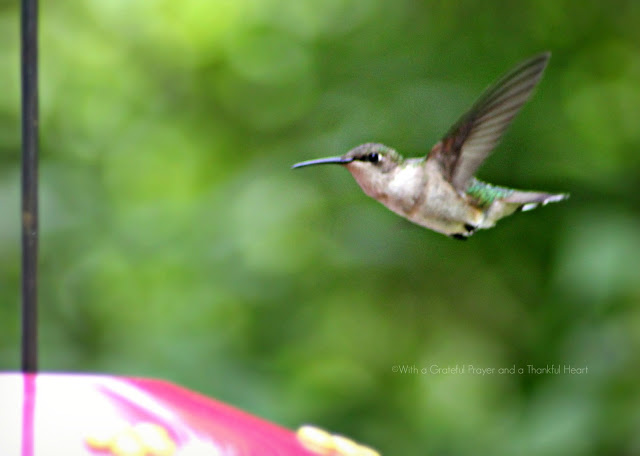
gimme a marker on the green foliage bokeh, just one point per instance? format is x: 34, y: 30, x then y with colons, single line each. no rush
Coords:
x: 177, y: 243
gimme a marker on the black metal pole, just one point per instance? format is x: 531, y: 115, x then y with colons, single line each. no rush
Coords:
x: 29, y: 41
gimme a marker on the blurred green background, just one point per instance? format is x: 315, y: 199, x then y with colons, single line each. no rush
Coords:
x: 177, y: 243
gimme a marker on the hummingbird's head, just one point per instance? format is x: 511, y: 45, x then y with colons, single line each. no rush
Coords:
x: 372, y: 157
x: 370, y: 164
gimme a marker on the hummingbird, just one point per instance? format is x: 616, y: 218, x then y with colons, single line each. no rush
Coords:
x: 439, y: 191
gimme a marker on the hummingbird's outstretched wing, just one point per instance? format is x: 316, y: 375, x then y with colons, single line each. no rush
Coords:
x: 478, y: 131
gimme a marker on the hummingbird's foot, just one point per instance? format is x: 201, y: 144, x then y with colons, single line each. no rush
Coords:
x: 470, y: 229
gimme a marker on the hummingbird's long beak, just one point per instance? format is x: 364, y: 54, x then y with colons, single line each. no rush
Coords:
x: 323, y: 161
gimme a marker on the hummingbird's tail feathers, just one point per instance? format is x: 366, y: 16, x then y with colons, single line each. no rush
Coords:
x: 527, y: 201
x: 517, y: 201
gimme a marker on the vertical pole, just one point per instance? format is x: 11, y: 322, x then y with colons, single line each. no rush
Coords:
x: 29, y: 67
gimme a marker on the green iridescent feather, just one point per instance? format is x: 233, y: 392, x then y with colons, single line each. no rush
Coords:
x: 485, y: 194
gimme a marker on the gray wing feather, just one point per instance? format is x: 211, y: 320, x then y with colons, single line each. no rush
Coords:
x: 478, y: 131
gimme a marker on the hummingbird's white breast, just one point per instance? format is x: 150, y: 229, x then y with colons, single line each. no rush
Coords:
x: 406, y: 187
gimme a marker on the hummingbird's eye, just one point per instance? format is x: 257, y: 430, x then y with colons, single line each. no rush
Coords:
x: 373, y: 157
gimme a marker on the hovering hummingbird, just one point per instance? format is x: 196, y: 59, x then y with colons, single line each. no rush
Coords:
x: 439, y: 191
